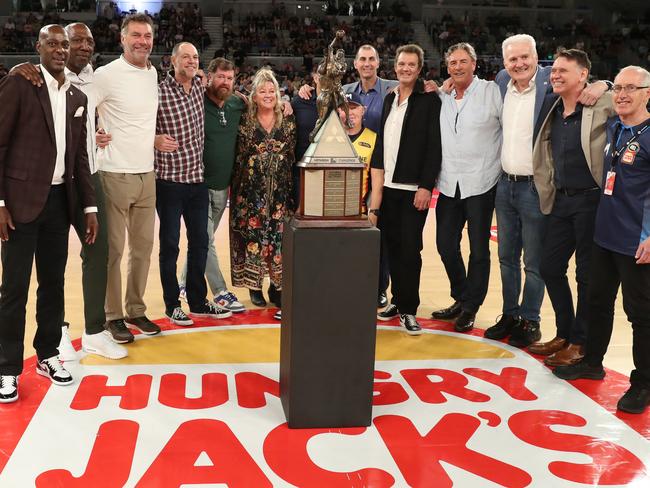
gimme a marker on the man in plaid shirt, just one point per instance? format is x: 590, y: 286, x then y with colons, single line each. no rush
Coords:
x: 180, y: 189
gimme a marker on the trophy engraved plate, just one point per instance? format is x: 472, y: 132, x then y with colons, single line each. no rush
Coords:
x: 334, y: 197
x: 352, y: 193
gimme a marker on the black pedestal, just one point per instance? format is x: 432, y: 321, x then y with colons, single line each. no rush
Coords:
x: 329, y: 325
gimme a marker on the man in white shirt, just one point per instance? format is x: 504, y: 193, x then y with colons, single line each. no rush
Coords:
x: 470, y: 125
x: 521, y: 223
x: 127, y: 103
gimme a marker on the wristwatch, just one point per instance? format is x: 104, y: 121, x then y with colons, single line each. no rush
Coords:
x: 374, y: 211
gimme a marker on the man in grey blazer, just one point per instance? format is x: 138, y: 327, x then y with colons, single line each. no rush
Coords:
x: 522, y: 226
x: 568, y: 167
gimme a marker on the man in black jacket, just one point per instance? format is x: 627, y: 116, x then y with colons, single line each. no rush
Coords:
x: 404, y: 170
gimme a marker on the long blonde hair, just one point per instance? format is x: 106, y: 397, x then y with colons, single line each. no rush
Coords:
x: 262, y: 76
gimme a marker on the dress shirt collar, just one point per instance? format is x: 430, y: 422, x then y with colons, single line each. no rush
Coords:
x: 396, y: 101
x: 84, y: 77
x: 51, y: 82
x: 375, y: 88
x: 531, y: 84
x: 468, y: 90
x: 174, y: 84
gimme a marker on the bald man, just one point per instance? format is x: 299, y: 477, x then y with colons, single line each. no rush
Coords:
x: 95, y: 339
x: 44, y: 176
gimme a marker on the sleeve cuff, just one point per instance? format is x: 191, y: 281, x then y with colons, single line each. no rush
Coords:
x: 2, y: 203
x: 88, y: 210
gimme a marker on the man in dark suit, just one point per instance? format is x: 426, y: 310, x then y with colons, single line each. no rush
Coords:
x: 404, y: 169
x: 43, y: 167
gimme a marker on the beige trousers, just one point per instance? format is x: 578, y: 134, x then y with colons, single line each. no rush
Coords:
x: 130, y: 205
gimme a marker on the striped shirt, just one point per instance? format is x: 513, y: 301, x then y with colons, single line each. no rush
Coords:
x: 181, y: 116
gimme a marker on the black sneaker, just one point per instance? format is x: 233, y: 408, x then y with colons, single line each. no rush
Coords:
x: 524, y: 335
x: 120, y: 333
x: 382, y: 300
x: 635, y: 400
x: 178, y: 317
x: 278, y: 315
x: 390, y: 312
x: 211, y: 311
x: 144, y: 325
x: 502, y: 328
x: 465, y: 321
x: 53, y: 369
x: 410, y: 323
x: 448, y: 313
x: 8, y: 389
x: 581, y: 370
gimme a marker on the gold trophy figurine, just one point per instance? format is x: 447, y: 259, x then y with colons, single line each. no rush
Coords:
x: 331, y: 96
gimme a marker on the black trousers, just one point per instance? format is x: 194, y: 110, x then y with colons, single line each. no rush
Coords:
x: 467, y: 287
x: 570, y: 230
x: 402, y: 225
x: 189, y: 201
x: 609, y: 270
x: 45, y: 239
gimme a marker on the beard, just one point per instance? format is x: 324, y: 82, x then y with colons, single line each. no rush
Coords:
x: 220, y: 92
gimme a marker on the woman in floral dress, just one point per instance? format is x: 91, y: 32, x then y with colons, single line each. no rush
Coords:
x: 261, y: 190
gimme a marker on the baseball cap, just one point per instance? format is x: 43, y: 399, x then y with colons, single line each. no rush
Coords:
x: 353, y: 98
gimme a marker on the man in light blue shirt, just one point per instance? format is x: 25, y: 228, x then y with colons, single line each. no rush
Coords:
x: 470, y: 125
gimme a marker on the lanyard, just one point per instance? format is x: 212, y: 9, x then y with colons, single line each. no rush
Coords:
x: 617, y: 153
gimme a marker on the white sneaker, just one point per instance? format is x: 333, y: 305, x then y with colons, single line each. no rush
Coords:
x: 179, y: 317
x: 66, y: 351
x: 102, y: 344
x: 278, y: 315
x: 227, y: 299
x: 8, y: 389
x: 53, y: 369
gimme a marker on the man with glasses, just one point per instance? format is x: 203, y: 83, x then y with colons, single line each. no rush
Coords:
x: 621, y: 253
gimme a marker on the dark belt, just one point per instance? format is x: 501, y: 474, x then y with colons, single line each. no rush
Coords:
x: 517, y: 178
x: 569, y: 192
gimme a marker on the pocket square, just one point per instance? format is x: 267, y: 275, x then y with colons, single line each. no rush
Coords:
x: 79, y: 112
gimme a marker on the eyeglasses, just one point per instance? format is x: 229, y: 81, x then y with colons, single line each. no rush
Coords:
x: 222, y: 118
x: 627, y: 88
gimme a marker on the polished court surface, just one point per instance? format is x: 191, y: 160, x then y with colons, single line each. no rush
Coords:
x: 199, y: 406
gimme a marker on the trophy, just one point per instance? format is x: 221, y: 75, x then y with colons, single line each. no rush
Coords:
x: 331, y: 174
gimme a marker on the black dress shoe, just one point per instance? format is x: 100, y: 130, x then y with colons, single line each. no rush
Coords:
x: 465, y: 321
x: 275, y: 296
x: 635, y: 400
x: 581, y: 370
x: 257, y: 298
x: 448, y: 313
x: 382, y: 300
x: 502, y: 328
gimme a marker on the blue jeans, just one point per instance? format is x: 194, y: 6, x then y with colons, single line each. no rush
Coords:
x: 189, y: 201
x: 216, y: 207
x: 522, y: 226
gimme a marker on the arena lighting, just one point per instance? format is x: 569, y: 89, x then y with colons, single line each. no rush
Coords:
x: 152, y: 6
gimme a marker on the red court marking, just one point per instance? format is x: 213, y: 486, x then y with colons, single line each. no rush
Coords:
x: 14, y: 418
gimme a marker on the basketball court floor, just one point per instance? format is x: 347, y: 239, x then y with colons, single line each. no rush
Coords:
x: 199, y: 406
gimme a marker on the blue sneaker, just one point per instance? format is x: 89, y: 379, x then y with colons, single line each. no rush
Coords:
x: 228, y: 300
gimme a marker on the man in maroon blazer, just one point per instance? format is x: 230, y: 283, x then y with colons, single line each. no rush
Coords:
x: 44, y: 176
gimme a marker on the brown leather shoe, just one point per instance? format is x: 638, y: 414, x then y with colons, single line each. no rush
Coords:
x: 547, y: 348
x: 571, y: 354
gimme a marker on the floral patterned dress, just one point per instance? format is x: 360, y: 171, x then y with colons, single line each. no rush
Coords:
x: 260, y: 201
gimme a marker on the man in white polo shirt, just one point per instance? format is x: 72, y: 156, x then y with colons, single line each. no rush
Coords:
x: 127, y: 103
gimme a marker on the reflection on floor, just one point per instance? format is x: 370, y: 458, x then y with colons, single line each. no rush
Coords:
x: 200, y: 406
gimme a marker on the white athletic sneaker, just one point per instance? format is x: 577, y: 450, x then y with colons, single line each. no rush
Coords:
x: 102, y: 344
x: 53, y: 369
x: 66, y: 351
x: 227, y: 299
x: 8, y: 389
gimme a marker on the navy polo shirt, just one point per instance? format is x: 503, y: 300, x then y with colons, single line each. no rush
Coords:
x: 623, y: 218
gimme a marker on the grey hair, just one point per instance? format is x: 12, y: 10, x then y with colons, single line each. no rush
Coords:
x: 367, y: 46
x: 645, y: 74
x: 516, y: 39
x: 465, y: 46
x: 178, y: 45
